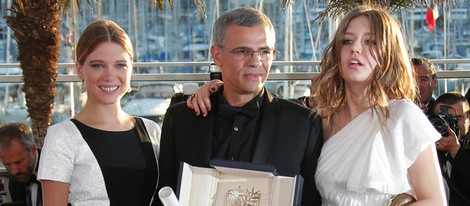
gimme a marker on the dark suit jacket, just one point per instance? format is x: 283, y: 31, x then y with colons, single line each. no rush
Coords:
x: 430, y: 107
x: 289, y: 138
x: 459, y: 178
x: 18, y: 190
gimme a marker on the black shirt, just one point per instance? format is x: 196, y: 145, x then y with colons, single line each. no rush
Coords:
x: 236, y: 129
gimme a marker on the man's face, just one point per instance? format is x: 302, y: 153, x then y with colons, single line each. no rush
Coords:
x: 426, y: 83
x: 459, y: 110
x: 18, y: 162
x: 247, y: 75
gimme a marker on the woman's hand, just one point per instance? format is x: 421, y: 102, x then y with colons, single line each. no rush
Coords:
x: 200, y: 101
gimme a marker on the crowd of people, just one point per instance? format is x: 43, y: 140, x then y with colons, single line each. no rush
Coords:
x: 364, y: 136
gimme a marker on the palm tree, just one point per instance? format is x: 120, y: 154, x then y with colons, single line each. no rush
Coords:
x: 35, y: 24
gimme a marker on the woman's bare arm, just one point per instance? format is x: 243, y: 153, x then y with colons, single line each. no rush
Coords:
x: 426, y: 179
x: 55, y: 193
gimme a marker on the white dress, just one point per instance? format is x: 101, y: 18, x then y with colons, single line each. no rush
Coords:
x: 364, y: 164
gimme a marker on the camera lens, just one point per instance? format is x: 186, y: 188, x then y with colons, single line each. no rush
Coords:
x: 439, y: 124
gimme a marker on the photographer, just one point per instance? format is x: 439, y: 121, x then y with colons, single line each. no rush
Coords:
x: 455, y: 160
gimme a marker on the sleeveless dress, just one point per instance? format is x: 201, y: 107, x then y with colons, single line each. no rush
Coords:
x: 366, y: 164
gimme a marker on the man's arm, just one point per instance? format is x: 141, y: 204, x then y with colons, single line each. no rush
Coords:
x: 461, y: 170
x: 311, y: 196
x: 168, y: 167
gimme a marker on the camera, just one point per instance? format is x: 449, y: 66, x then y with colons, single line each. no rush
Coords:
x: 443, y: 120
x: 214, y: 72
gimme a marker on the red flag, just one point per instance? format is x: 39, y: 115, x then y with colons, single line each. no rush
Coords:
x: 431, y: 16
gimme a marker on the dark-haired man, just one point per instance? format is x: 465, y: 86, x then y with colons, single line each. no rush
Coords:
x: 246, y: 123
x: 454, y: 158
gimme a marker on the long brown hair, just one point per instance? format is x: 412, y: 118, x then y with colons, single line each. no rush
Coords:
x: 99, y: 32
x: 393, y: 77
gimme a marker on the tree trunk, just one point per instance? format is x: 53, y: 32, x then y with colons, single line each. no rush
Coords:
x: 35, y: 25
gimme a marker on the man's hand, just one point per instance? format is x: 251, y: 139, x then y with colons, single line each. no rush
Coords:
x: 449, y: 144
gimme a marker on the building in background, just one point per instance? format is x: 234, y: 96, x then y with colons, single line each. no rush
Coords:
x: 182, y: 34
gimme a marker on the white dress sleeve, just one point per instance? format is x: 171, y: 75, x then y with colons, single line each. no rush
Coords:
x: 412, y: 129
x: 57, y: 154
x: 66, y: 157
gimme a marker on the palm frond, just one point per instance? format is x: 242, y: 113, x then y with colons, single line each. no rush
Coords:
x: 161, y: 4
x: 336, y: 8
x: 66, y: 5
x: 200, y: 7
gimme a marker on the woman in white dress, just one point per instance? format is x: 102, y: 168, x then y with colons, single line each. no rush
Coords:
x: 377, y: 142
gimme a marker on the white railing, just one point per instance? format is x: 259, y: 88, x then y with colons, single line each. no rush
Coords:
x: 205, y: 76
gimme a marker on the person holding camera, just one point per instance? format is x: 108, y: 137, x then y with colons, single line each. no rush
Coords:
x: 453, y: 109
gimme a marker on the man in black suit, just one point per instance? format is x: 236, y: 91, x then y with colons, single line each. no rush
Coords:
x: 427, y: 82
x: 247, y: 123
x: 454, y: 158
x: 20, y: 156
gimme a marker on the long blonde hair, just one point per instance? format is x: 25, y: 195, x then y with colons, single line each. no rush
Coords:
x: 393, y: 77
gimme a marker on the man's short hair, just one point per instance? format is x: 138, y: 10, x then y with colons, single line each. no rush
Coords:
x: 244, y: 16
x: 418, y: 61
x: 451, y: 98
x: 18, y: 131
